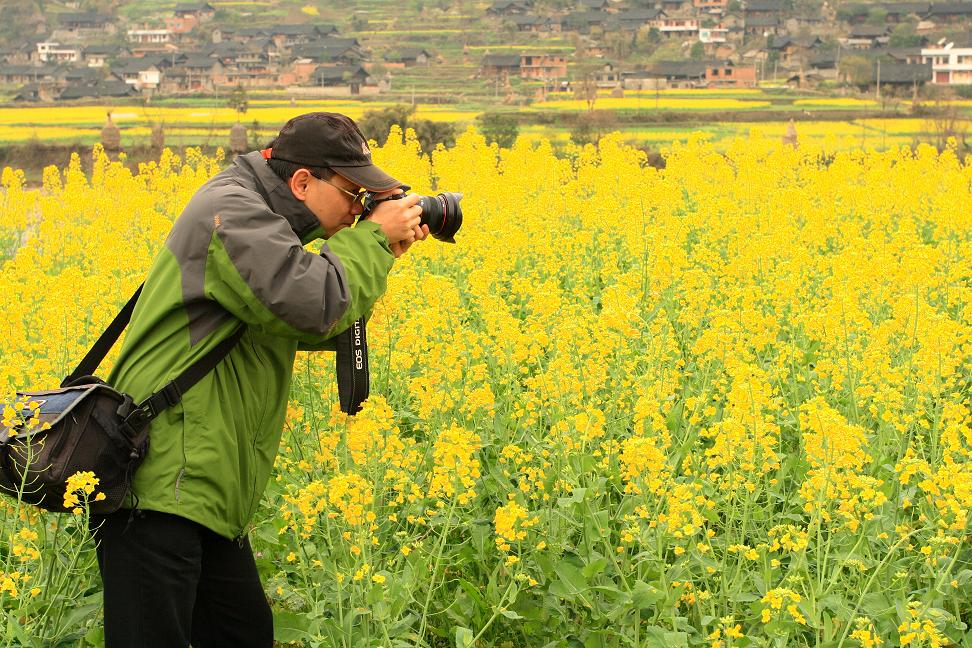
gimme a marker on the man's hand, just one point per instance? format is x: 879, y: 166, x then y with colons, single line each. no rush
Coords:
x: 400, y: 248
x: 400, y: 221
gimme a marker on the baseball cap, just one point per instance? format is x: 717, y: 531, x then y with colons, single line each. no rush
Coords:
x: 324, y: 139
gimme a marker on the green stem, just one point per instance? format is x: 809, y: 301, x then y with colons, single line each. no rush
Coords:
x: 867, y: 587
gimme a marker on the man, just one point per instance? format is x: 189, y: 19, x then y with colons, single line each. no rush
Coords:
x: 176, y: 562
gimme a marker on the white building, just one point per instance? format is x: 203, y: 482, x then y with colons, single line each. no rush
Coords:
x: 713, y: 34
x: 951, y: 65
x: 149, y: 36
x: 57, y: 53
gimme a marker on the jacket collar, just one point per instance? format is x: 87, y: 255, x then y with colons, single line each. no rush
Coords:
x: 279, y: 197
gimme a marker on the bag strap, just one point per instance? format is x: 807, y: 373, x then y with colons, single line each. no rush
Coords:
x: 98, y: 351
x: 173, y: 391
x: 169, y: 395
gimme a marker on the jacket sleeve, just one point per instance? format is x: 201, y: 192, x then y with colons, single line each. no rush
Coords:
x: 258, y: 270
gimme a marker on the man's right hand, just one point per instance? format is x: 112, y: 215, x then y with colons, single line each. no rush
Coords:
x: 399, y: 219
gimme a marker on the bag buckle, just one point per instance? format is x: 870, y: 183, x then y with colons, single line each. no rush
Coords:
x: 172, y: 395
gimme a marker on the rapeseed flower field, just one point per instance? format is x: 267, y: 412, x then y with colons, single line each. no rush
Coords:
x: 721, y: 404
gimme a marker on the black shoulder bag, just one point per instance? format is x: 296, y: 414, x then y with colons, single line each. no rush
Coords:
x: 87, y: 425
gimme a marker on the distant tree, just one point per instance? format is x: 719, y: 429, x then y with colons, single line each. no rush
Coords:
x: 904, y: 35
x: 375, y: 124
x: 592, y: 126
x: 877, y: 16
x: 585, y: 81
x: 499, y: 128
x: 697, y: 53
x: 237, y: 101
x: 856, y: 70
x: 431, y: 133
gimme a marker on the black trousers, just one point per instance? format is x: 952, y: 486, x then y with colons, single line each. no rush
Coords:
x: 170, y: 582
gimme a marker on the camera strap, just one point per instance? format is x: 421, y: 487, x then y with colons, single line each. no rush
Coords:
x: 352, y: 367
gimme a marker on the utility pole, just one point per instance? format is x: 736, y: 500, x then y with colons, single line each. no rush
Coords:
x: 879, y: 80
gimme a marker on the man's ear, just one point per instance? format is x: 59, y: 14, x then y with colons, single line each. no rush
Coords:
x: 299, y: 183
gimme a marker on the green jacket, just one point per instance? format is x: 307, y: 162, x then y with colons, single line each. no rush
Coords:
x: 236, y: 254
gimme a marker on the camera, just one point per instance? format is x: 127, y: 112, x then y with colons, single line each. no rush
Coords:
x: 441, y: 212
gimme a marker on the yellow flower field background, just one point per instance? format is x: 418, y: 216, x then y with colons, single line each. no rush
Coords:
x: 723, y: 403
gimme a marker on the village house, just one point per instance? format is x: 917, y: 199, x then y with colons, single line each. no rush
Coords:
x: 97, y: 56
x: 724, y: 74
x: 718, y: 34
x: 24, y: 74
x: 711, y: 6
x: 583, y: 22
x: 500, y: 65
x: 675, y: 27
x: 52, y: 52
x: 951, y: 64
x: 543, y: 66
x: 289, y: 36
x: 336, y: 51
x: 898, y: 12
x: 824, y: 65
x: 793, y: 49
x: 354, y: 77
x: 140, y: 74
x: 85, y: 25
x: 19, y: 54
x: 900, y: 78
x: 609, y: 76
x: 201, y: 11
x: 949, y: 13
x: 509, y: 8
x: 636, y: 19
x: 43, y: 91
x: 642, y: 80
x: 679, y: 74
x: 863, y: 37
x: 763, y: 26
x: 108, y: 88
x: 535, y: 24
x: 681, y: 8
x: 149, y: 36
x: 407, y: 57
x: 181, y: 25
x: 904, y: 54
x: 754, y: 8
x: 812, y: 22
x: 595, y: 5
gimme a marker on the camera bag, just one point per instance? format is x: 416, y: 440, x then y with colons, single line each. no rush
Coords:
x: 87, y: 425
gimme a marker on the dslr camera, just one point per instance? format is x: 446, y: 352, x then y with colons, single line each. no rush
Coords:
x: 440, y: 212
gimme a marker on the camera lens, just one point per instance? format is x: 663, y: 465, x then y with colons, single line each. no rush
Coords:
x: 442, y: 214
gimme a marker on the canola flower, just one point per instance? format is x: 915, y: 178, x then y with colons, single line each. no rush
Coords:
x: 725, y: 402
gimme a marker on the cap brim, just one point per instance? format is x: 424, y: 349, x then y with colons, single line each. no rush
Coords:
x: 369, y: 177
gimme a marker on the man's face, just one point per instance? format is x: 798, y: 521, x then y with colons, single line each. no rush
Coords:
x: 335, y: 209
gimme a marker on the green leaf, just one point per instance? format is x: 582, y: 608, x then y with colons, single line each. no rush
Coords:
x: 570, y: 583
x: 290, y: 626
x: 95, y: 637
x: 656, y: 637
x: 464, y: 637
x: 644, y: 595
x: 18, y: 631
x: 594, y: 567
x: 510, y: 614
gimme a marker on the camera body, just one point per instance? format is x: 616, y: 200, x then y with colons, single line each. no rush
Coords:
x: 441, y: 212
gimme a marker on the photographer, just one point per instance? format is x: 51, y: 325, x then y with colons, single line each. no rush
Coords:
x: 176, y: 562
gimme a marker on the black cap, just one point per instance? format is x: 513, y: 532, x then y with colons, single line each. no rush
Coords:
x: 323, y: 139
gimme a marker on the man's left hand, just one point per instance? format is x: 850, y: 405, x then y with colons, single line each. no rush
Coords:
x: 400, y: 248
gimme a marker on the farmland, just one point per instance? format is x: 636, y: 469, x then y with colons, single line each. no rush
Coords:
x: 645, y: 119
x: 723, y: 403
